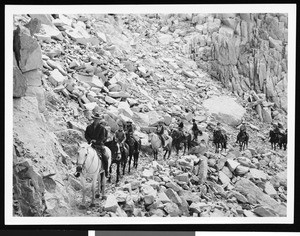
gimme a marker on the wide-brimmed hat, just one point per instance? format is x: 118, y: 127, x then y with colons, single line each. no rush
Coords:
x: 96, y: 116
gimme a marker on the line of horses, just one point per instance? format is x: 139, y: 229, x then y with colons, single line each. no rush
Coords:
x: 90, y: 165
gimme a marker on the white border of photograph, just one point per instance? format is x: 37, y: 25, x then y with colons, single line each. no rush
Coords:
x: 10, y: 10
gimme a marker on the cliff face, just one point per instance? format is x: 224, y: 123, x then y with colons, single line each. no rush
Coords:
x: 244, y: 51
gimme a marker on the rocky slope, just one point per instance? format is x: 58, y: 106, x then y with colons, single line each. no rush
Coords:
x: 137, y: 67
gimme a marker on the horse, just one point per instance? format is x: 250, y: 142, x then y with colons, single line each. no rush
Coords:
x: 134, y: 150
x: 242, y: 139
x: 220, y: 140
x: 178, y: 139
x: 274, y: 138
x: 89, y: 165
x: 118, y: 157
x: 282, y: 141
x: 156, y: 144
x: 202, y: 137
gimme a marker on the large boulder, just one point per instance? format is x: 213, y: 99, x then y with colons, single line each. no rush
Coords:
x: 20, y: 83
x: 27, y: 50
x: 225, y: 109
x: 255, y: 195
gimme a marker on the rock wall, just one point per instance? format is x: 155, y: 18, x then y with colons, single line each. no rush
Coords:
x: 244, y: 51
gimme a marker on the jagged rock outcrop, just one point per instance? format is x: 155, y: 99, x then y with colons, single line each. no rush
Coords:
x: 244, y: 51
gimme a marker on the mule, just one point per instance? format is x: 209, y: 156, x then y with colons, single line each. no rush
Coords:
x: 89, y: 165
x: 179, y: 139
x: 242, y: 139
x: 156, y: 144
x: 134, y: 150
x: 219, y: 140
x: 119, y: 157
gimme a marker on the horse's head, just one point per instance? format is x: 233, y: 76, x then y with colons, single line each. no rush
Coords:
x: 115, y: 148
x: 150, y: 136
x: 83, y: 152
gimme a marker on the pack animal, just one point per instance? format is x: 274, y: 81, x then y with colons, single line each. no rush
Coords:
x: 89, y: 165
x: 134, y: 150
x: 119, y: 157
x: 156, y: 144
x: 243, y: 139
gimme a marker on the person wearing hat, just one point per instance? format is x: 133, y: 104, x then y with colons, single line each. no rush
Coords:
x: 243, y: 127
x: 160, y: 131
x: 120, y: 136
x: 195, y: 129
x: 129, y: 130
x: 96, y: 134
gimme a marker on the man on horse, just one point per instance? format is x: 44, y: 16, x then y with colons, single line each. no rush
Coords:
x: 160, y: 131
x: 195, y: 130
x: 242, y: 130
x: 120, y: 136
x: 96, y: 134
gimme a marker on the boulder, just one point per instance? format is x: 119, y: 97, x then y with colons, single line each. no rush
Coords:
x: 93, y: 81
x: 172, y: 209
x: 232, y: 164
x: 225, y: 109
x: 111, y: 203
x: 241, y: 170
x: 124, y: 108
x: 20, y: 83
x: 255, y: 195
x: 27, y: 50
x: 162, y: 197
x: 52, y: 32
x: 224, y: 178
x: 34, y: 77
x: 39, y: 93
x: 56, y: 78
x: 266, y: 114
x: 258, y: 174
x: 269, y: 189
x: 29, y: 190
x: 183, y: 177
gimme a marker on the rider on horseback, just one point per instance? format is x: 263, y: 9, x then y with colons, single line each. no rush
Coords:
x: 195, y: 130
x: 160, y: 131
x: 242, y: 130
x: 96, y: 134
x: 120, y: 136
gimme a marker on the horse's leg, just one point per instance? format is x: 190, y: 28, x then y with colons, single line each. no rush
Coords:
x: 93, y: 190
x: 130, y: 157
x: 99, y: 186
x: 118, y: 171
x: 165, y: 154
x: 82, y: 180
x: 110, y: 170
x: 135, y: 158
x: 103, y: 180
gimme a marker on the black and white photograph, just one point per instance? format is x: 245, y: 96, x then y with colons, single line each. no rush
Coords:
x: 152, y: 114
